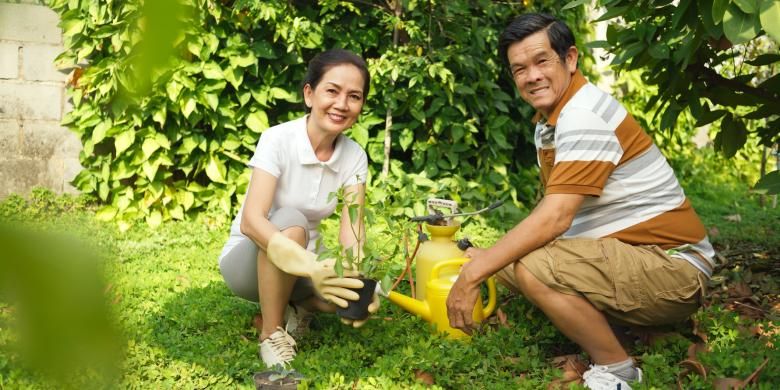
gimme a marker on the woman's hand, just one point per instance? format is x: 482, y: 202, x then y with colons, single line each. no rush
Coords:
x: 331, y: 286
x: 373, y: 307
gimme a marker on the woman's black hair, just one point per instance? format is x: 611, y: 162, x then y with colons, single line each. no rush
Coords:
x: 561, y: 37
x: 325, y: 60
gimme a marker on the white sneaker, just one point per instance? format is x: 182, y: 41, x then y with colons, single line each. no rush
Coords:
x: 297, y: 320
x: 597, y: 378
x: 278, y: 349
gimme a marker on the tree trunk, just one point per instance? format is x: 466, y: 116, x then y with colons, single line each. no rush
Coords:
x: 389, y: 113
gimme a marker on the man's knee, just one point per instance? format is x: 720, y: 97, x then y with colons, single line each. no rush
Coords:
x: 529, y: 285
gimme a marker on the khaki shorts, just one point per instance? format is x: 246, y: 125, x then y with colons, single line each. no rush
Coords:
x: 632, y: 285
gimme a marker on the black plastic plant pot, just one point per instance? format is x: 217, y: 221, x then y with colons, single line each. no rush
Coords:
x: 358, y: 310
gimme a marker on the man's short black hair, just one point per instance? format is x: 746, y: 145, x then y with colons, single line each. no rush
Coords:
x: 561, y: 37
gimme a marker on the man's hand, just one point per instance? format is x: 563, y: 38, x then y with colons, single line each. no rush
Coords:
x: 462, y: 298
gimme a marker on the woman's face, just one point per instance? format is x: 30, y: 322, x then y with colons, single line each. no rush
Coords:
x: 337, y: 99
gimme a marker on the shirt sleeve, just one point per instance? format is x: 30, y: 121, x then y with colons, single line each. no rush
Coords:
x: 358, y: 172
x: 268, y: 154
x: 586, y: 153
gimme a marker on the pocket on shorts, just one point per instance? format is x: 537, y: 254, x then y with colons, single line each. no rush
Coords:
x: 583, y: 266
x: 676, y: 281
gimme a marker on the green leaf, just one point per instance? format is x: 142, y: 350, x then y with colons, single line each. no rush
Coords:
x: 359, y: 133
x: 212, y: 99
x: 160, y: 114
x: 718, y: 10
x: 597, y: 44
x: 244, y: 60
x: 106, y: 213
x: 235, y: 76
x: 732, y: 136
x: 211, y: 70
x: 216, y: 170
x: 715, y: 30
x: 263, y: 49
x: 187, y: 199
x: 154, y: 219
x: 72, y: 27
x: 257, y: 121
x: 771, y: 84
x: 177, y: 212
x: 770, y: 18
x: 150, y: 169
x: 188, y: 107
x: 194, y: 46
x: 764, y: 59
x: 173, y: 89
x: 150, y: 146
x: 99, y: 133
x: 747, y: 6
x: 659, y: 51
x: 769, y: 184
x: 738, y: 26
x: 406, y: 138
x: 575, y: 3
x: 124, y: 140
x: 709, y: 117
x: 612, y: 13
x: 280, y: 93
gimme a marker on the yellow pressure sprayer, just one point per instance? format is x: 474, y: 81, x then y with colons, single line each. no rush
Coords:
x: 439, y: 260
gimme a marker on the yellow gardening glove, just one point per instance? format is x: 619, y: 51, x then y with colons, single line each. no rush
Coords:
x: 333, y: 288
x: 291, y: 258
x: 373, y: 307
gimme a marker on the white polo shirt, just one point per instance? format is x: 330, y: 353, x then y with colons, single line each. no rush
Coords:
x: 304, y: 182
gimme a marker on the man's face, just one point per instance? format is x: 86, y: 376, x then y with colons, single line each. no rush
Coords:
x: 539, y: 74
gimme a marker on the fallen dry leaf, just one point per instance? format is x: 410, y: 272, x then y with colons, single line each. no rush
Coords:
x: 573, y: 367
x: 695, y: 349
x: 713, y: 232
x: 424, y: 377
x: 734, y: 383
x: 502, y: 318
x: 693, y: 366
x: 740, y: 290
x: 727, y: 384
x: 698, y: 332
x: 733, y: 218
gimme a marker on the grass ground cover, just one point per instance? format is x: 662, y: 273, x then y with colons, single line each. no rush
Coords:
x: 180, y: 327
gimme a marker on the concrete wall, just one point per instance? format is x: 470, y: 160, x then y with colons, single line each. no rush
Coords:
x: 34, y: 149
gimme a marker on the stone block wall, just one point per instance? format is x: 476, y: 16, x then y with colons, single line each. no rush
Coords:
x: 34, y: 149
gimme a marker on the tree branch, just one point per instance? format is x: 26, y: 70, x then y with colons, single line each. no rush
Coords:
x: 703, y: 72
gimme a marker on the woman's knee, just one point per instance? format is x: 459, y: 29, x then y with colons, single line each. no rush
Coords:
x: 296, y: 233
x: 292, y: 223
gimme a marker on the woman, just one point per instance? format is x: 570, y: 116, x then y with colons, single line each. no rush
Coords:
x: 296, y: 166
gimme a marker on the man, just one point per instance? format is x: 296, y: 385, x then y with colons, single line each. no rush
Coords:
x: 614, y: 240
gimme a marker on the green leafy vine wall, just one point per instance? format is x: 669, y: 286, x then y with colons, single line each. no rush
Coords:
x: 170, y: 97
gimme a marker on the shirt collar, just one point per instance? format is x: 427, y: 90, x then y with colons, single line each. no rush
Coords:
x: 306, y: 154
x: 577, y: 81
